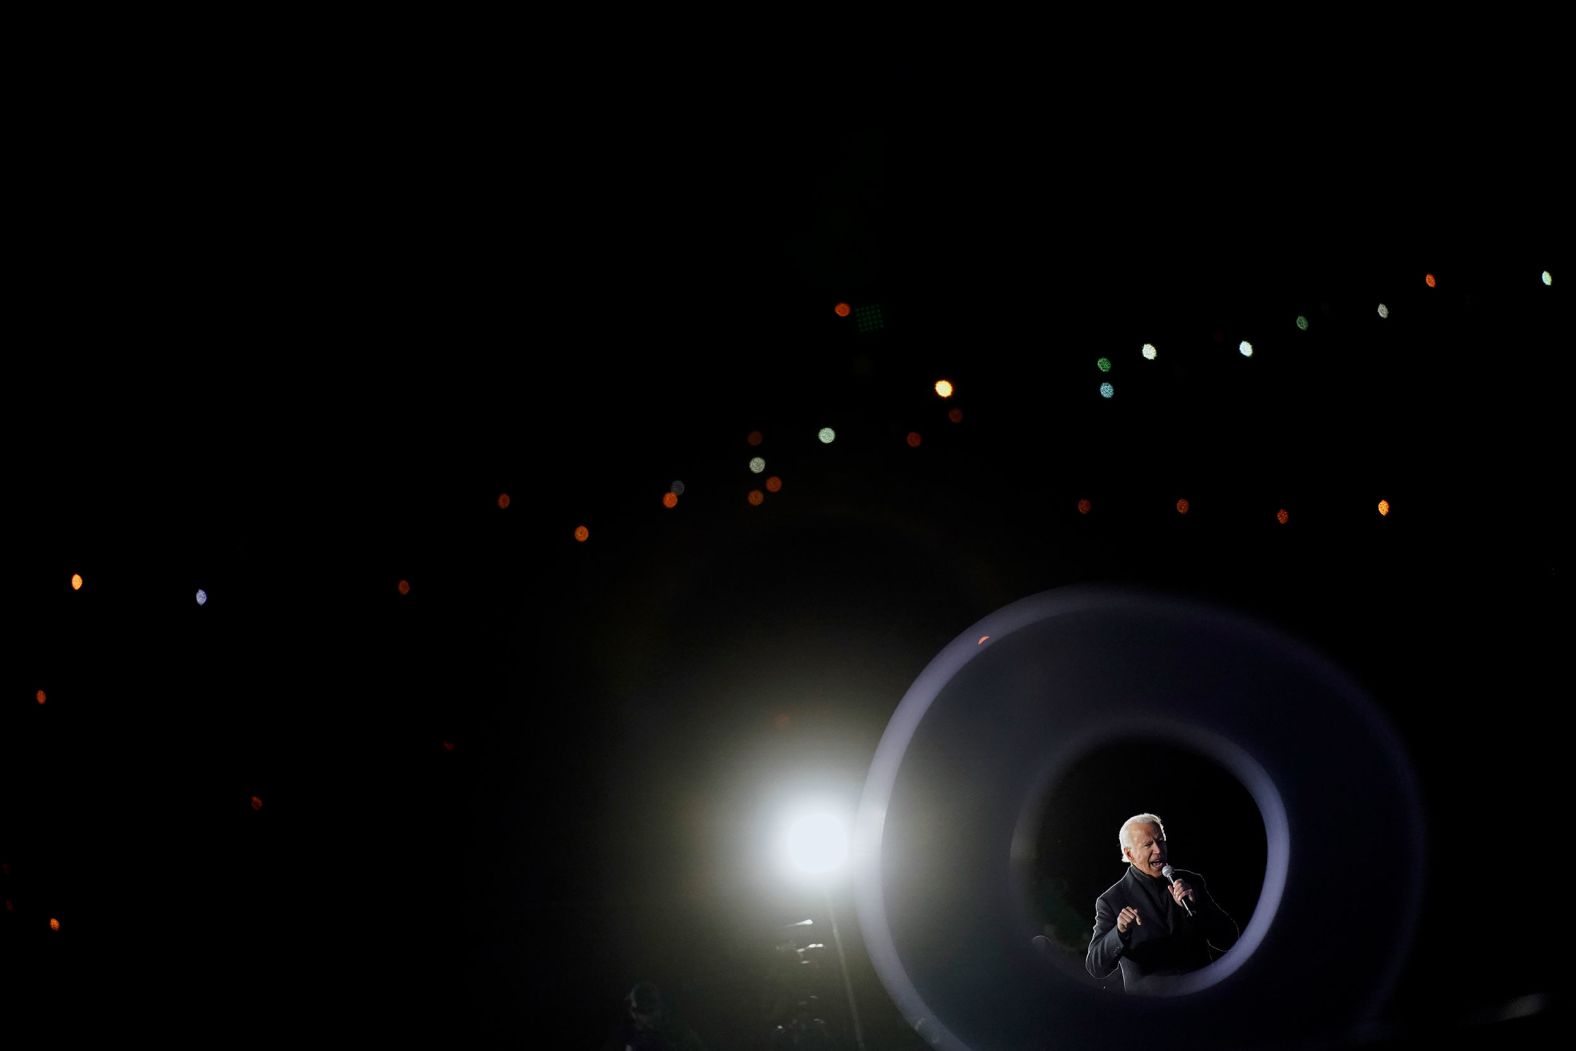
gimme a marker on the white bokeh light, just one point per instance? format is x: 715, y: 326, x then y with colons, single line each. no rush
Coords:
x: 1149, y: 351
x: 827, y: 436
x: 1384, y: 311
x: 202, y: 597
x: 757, y: 464
x: 1246, y: 348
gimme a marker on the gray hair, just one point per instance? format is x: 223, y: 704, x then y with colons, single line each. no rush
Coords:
x: 1138, y: 819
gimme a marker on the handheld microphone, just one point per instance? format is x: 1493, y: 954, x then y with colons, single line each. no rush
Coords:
x: 1166, y: 872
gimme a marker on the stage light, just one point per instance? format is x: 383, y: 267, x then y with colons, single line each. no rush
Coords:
x: 944, y: 388
x: 1246, y: 348
x: 757, y: 465
x: 817, y: 843
x: 827, y: 435
x: 1150, y: 352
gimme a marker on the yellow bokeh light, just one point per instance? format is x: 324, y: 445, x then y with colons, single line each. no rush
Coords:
x: 1384, y: 507
x: 76, y: 582
x: 944, y: 388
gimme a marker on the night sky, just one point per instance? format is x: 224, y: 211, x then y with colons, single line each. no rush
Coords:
x: 421, y: 763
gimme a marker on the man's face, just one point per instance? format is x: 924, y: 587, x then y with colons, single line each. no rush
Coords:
x: 1148, y: 852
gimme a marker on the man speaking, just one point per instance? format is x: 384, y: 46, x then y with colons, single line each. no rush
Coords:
x: 1156, y: 921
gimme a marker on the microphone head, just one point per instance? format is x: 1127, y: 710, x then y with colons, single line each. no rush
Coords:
x: 1166, y: 870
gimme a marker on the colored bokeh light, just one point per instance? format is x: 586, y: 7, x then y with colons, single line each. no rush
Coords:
x: 842, y: 310
x: 670, y: 499
x: 1283, y: 516
x: 914, y: 439
x: 955, y: 415
x: 257, y: 802
x: 404, y: 587
x: 1107, y: 390
x: 1302, y: 322
x: 1384, y: 507
x: 1183, y: 506
x: 944, y: 388
x: 827, y: 435
x: 40, y: 696
x: 76, y: 582
x: 774, y: 484
x: 1428, y: 279
x: 54, y: 924
x: 1084, y: 506
x: 583, y: 534
x: 755, y: 437
x: 202, y: 597
x: 677, y: 488
x: 1548, y: 278
x: 503, y: 501
x: 1104, y: 364
x: 756, y: 497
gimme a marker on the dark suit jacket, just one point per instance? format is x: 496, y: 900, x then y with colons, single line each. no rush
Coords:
x: 1168, y: 941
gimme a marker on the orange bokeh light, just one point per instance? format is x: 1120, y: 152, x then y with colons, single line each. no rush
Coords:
x: 670, y: 499
x: 404, y: 587
x: 54, y: 924
x: 755, y: 438
x: 503, y: 501
x: 843, y: 309
x: 257, y: 802
x: 955, y: 415
x: 1384, y: 509
x: 582, y: 534
x: 1084, y: 507
x: 1429, y: 280
x: 914, y: 439
x: 1283, y: 516
x: 40, y: 696
x: 774, y: 484
x: 76, y: 582
x: 756, y: 497
x: 1182, y: 506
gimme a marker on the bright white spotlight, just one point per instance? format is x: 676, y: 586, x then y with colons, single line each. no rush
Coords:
x: 818, y: 843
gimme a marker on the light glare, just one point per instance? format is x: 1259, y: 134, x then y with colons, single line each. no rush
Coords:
x: 817, y: 844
